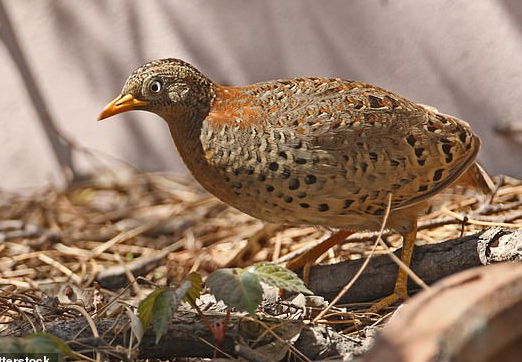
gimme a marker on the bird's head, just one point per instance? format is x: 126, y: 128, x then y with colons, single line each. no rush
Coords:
x: 171, y: 88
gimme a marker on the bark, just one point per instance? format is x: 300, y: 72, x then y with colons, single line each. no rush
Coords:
x: 187, y: 334
x: 430, y: 262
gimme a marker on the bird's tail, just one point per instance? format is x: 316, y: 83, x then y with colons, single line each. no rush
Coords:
x: 477, y: 178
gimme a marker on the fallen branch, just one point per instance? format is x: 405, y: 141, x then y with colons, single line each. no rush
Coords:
x: 430, y: 262
x: 189, y: 336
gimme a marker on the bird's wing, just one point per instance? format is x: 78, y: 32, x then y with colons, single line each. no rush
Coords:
x: 369, y: 141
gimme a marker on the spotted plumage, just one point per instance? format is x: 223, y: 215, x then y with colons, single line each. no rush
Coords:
x: 314, y: 151
x: 328, y: 138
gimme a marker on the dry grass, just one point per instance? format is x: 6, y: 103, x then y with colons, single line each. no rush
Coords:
x: 54, y: 243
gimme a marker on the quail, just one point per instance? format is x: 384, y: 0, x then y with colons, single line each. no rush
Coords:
x: 310, y: 151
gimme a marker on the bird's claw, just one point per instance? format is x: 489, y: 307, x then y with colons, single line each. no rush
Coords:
x: 395, y: 297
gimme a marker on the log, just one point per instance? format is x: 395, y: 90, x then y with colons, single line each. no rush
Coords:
x: 430, y: 262
x: 187, y: 334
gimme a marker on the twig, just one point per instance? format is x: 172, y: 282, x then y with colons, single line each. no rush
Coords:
x: 403, y: 266
x: 482, y: 223
x: 278, y: 338
x: 62, y: 268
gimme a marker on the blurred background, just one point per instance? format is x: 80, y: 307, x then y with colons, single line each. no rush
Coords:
x: 62, y: 61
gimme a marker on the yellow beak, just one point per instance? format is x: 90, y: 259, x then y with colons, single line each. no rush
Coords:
x: 122, y: 103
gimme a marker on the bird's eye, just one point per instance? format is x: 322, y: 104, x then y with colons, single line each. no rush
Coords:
x: 155, y: 86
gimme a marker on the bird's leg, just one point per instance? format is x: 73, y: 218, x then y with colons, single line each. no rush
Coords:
x: 400, y: 292
x: 309, y: 257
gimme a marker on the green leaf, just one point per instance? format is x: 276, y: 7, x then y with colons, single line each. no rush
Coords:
x: 37, y: 344
x: 145, y: 309
x: 45, y: 342
x: 165, y: 306
x: 236, y: 288
x: 196, y: 285
x: 159, y: 307
x: 12, y: 345
x: 277, y: 276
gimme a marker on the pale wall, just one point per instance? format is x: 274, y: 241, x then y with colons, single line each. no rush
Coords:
x: 463, y: 57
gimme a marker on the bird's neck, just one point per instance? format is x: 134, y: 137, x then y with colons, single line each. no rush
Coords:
x: 185, y: 125
x: 185, y: 131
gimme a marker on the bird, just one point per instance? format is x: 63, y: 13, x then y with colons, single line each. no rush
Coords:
x: 327, y: 152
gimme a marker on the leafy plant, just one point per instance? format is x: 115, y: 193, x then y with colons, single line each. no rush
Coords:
x: 237, y: 288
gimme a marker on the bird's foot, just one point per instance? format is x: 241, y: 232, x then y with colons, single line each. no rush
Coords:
x: 395, y: 297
